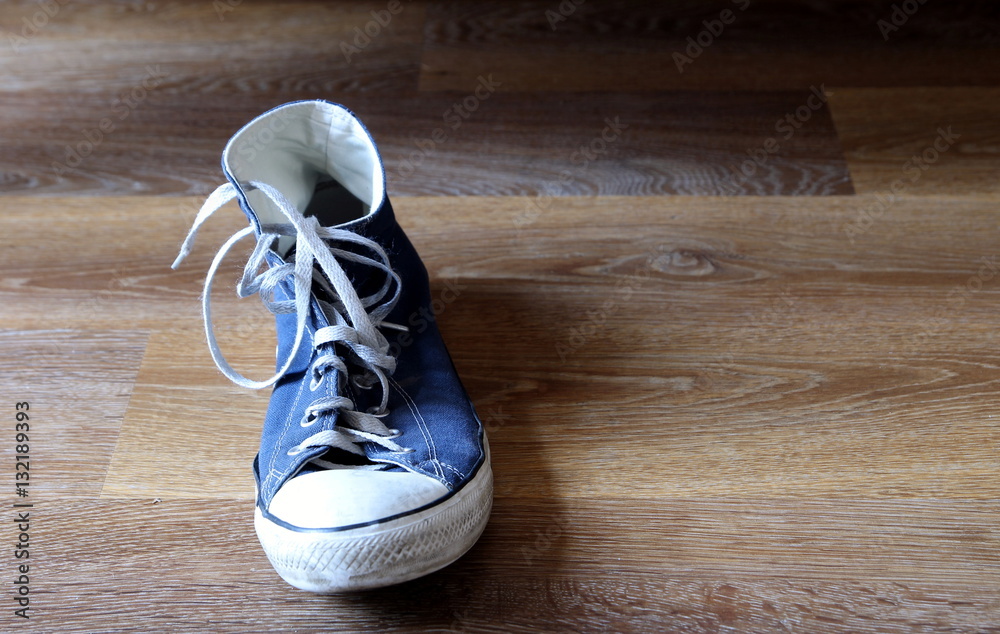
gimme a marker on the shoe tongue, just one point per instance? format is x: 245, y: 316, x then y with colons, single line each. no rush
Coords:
x: 298, y: 148
x: 332, y: 205
x: 347, y: 459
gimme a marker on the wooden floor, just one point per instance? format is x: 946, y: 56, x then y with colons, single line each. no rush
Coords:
x: 717, y: 401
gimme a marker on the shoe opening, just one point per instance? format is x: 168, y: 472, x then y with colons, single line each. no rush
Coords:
x: 315, y: 153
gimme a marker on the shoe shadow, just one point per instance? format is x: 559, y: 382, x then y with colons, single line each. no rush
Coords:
x: 501, y: 362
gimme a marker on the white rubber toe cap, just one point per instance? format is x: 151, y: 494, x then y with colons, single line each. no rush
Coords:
x: 343, y: 497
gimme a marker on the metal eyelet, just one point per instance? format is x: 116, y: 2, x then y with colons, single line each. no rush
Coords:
x: 308, y: 420
x: 294, y: 451
x: 406, y: 450
x: 316, y: 377
x: 394, y: 433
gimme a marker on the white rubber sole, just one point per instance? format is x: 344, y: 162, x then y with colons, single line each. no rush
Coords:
x: 381, y: 554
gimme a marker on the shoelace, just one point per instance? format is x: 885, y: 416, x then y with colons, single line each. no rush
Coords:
x: 354, y: 326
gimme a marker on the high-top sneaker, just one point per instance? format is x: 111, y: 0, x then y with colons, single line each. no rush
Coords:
x: 373, y: 466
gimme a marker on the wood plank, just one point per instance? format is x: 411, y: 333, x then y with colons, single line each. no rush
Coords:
x: 766, y: 45
x: 753, y: 254
x: 826, y: 565
x: 183, y: 411
x: 450, y: 143
x: 752, y: 422
x: 609, y: 144
x: 77, y: 384
x: 246, y: 48
x: 929, y: 141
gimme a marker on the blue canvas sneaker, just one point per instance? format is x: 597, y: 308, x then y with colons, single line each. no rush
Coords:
x: 373, y: 466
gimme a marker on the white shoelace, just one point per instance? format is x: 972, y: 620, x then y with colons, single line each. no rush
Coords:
x: 355, y: 327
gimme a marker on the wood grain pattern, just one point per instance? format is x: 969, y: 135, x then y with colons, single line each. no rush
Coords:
x: 183, y: 412
x: 608, y: 144
x: 932, y: 140
x: 174, y: 81
x: 93, y: 50
x: 714, y: 404
x: 77, y: 383
x: 754, y: 249
x: 693, y: 564
x: 601, y: 144
x: 767, y: 45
